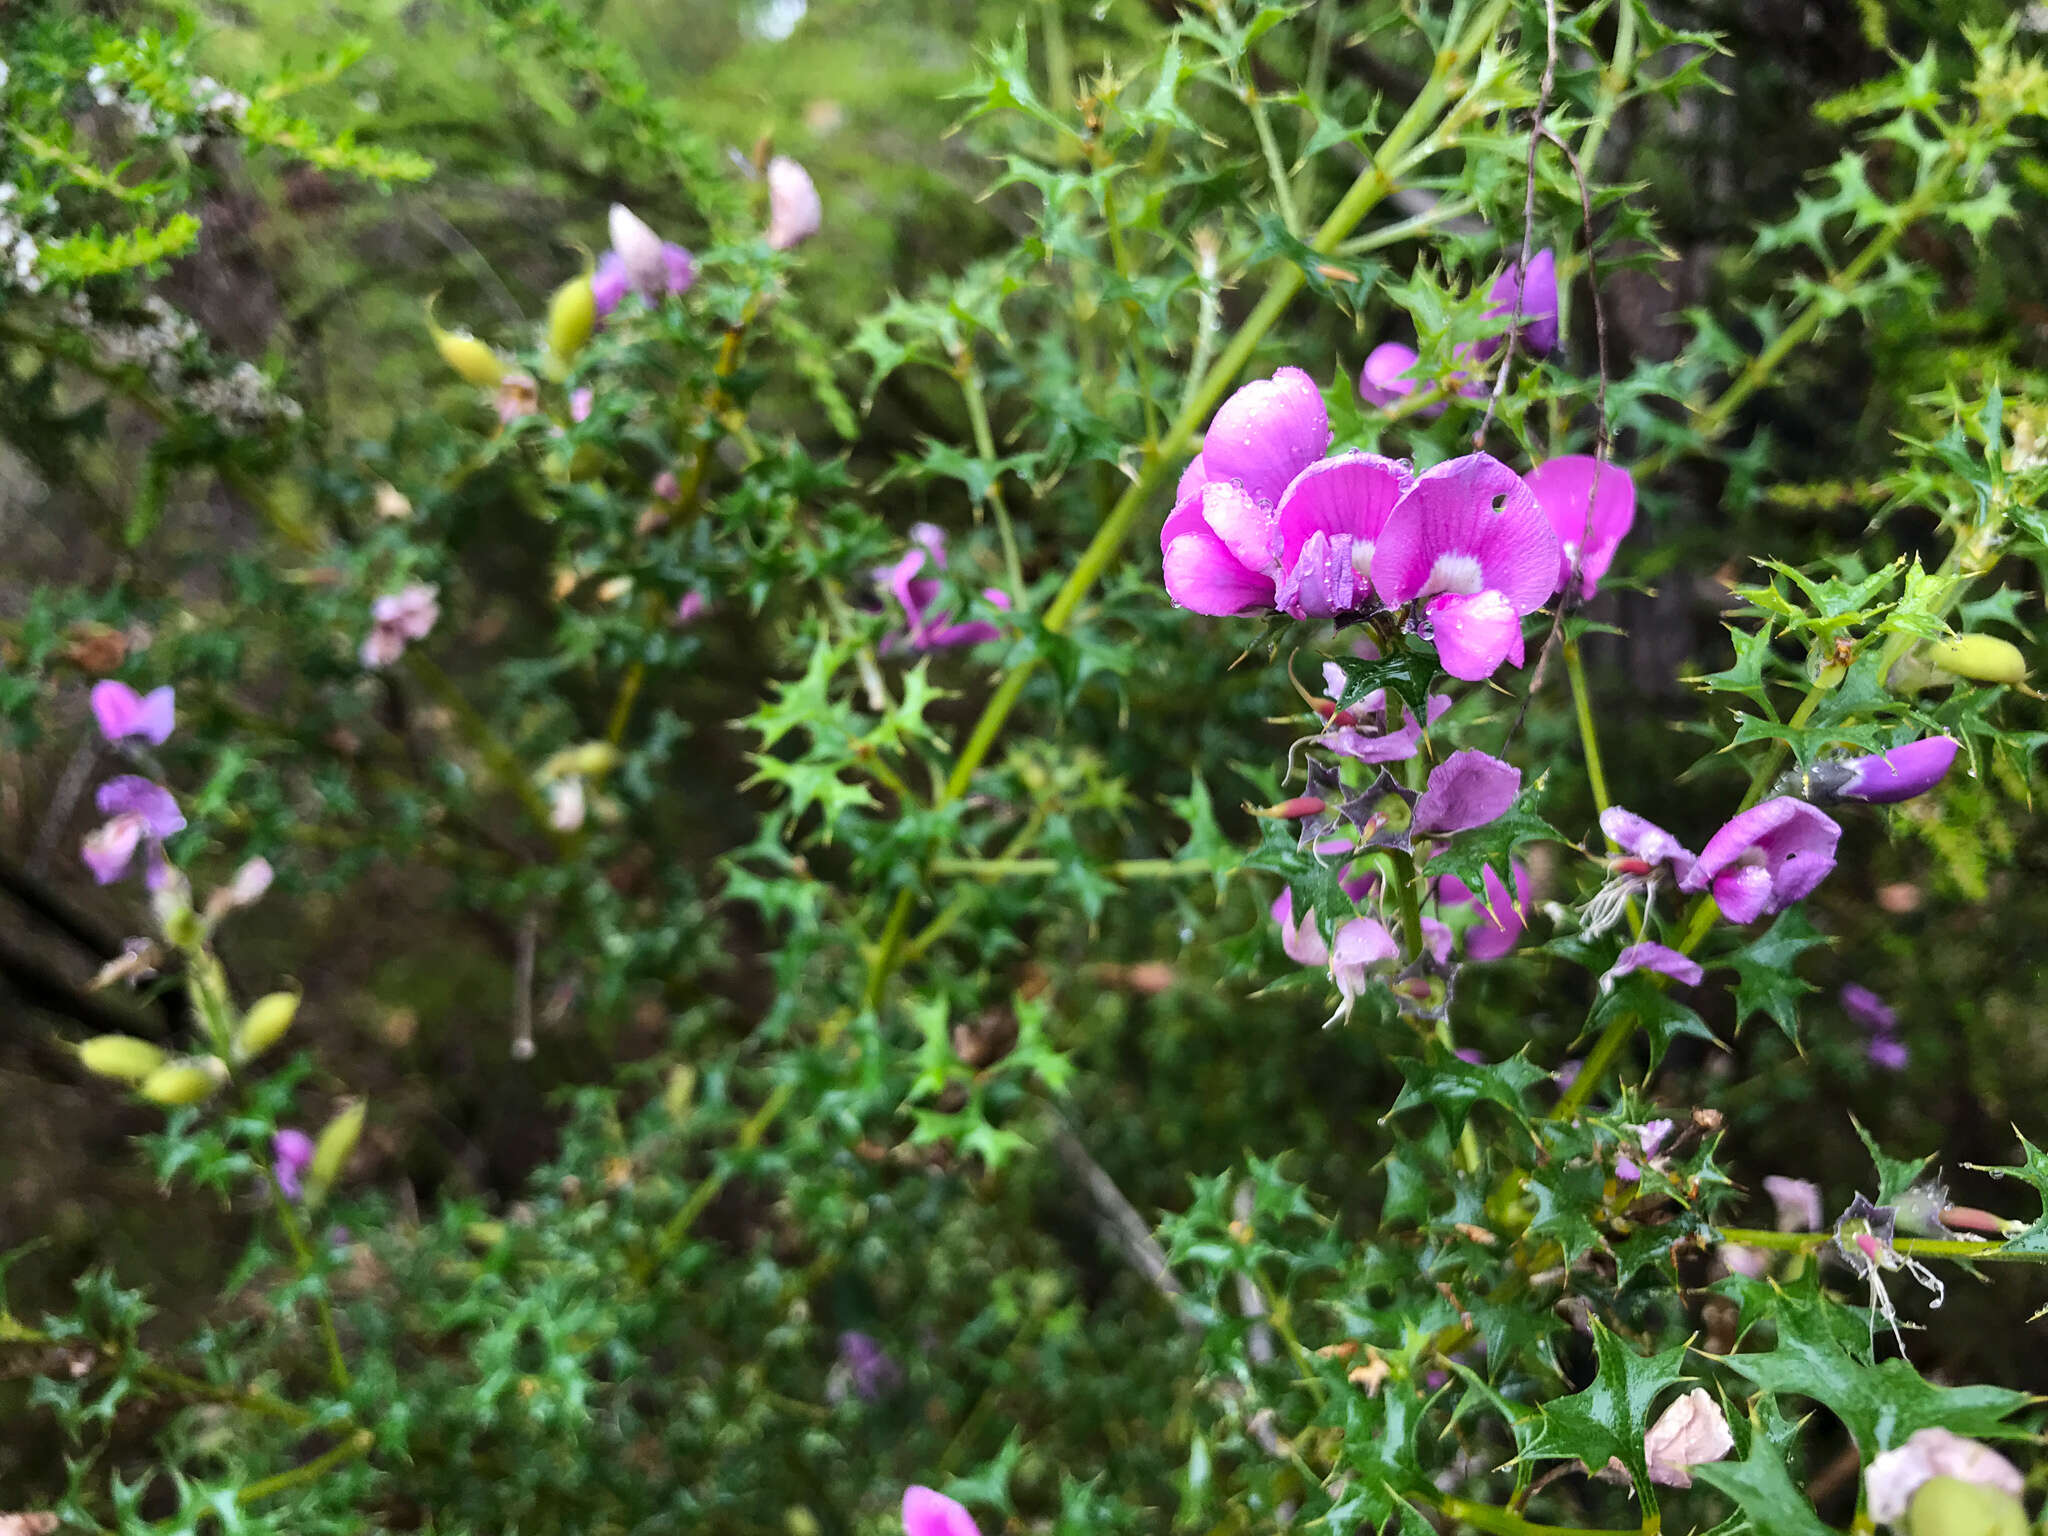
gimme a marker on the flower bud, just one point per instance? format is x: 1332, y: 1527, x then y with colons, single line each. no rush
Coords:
x: 265, y: 1024
x: 794, y: 212
x: 1948, y: 1506
x: 120, y: 1056
x: 469, y: 357
x: 1290, y: 810
x: 330, y: 1153
x: 1980, y: 658
x: 572, y: 317
x: 184, y: 1082
x: 639, y: 248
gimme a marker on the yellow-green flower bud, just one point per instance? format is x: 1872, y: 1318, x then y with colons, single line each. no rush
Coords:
x: 1949, y: 1506
x: 1980, y: 658
x: 572, y: 318
x: 586, y: 760
x: 183, y: 1082
x: 265, y: 1024
x: 120, y: 1056
x: 465, y: 354
x: 330, y: 1153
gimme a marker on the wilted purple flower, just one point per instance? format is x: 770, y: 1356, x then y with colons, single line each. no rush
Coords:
x: 1893, y: 1477
x: 398, y: 618
x: 1503, y: 920
x: 517, y: 395
x: 918, y: 597
x: 1867, y: 1008
x: 1361, y: 945
x: 1467, y: 789
x: 928, y: 1513
x: 291, y: 1153
x: 1691, y: 1431
x: 140, y: 815
x: 1765, y: 859
x: 1469, y: 540
x: 1360, y: 731
x: 1648, y: 956
x: 1302, y: 942
x: 248, y: 886
x: 1864, y: 1236
x: 1798, y: 1203
x: 863, y: 1368
x: 1589, y: 527
x: 640, y: 261
x: 1650, y: 1136
x: 1884, y: 778
x: 1535, y: 298
x: 125, y: 715
x: 1646, y: 843
x: 794, y: 212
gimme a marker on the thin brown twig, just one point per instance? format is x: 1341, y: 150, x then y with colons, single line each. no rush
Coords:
x: 1537, y: 130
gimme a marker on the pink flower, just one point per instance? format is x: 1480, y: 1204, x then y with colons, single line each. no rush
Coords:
x: 398, y: 618
x: 1765, y: 859
x: 1389, y: 375
x: 1884, y: 778
x: 691, y: 607
x: 1650, y: 1137
x: 1649, y: 956
x: 1302, y: 942
x: 1505, y: 919
x: 1892, y: 1478
x: 291, y: 1153
x: 1645, y: 844
x: 794, y: 212
x: 919, y: 596
x: 1797, y: 1202
x: 640, y: 261
x: 928, y: 1513
x: 580, y: 402
x: 1470, y: 541
x: 125, y: 715
x: 1589, y: 526
x: 1467, y: 789
x: 1362, y: 945
x: 1536, y: 299
x: 1691, y: 1431
x: 140, y: 815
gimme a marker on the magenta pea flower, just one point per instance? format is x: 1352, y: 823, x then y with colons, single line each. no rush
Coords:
x: 918, y: 596
x: 1503, y: 919
x: 1765, y: 859
x: 1884, y: 778
x: 1328, y: 519
x: 640, y: 261
x: 1590, y: 524
x: 927, y: 1512
x: 1469, y: 541
x: 398, y: 618
x: 1868, y: 1009
x: 125, y: 715
x: 140, y: 815
x: 291, y: 1154
x: 1303, y: 941
x: 794, y: 212
x: 580, y: 402
x: 1389, y: 375
x: 1467, y: 789
x: 1650, y: 1138
x: 1650, y: 956
x: 1535, y: 298
x: 690, y: 607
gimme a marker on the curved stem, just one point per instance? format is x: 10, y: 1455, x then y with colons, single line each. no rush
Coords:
x: 1913, y: 1247
x: 354, y: 1448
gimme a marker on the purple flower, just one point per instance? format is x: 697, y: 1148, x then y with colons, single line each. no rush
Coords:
x: 1867, y: 1008
x: 1885, y: 778
x: 1361, y: 945
x: 1894, y: 1477
x: 794, y: 212
x: 918, y: 597
x: 398, y: 618
x: 1646, y: 844
x: 291, y: 1153
x: 640, y: 261
x: 1360, y: 732
x: 1589, y: 527
x: 864, y: 1367
x: 1389, y: 375
x: 580, y: 402
x: 1535, y: 298
x: 927, y: 1513
x: 1503, y: 919
x: 1650, y: 1136
x: 1468, y: 789
x: 1471, y: 541
x: 140, y: 815
x: 123, y: 714
x: 1889, y: 1053
x: 1798, y: 1203
x: 690, y: 608
x: 1328, y: 519
x: 1302, y: 942
x: 1765, y: 859
x: 1654, y: 957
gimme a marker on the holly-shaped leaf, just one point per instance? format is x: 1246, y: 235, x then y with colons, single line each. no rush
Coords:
x: 1452, y: 1087
x: 1764, y: 967
x: 1408, y: 676
x: 1468, y: 855
x: 2033, y: 1170
x: 1607, y: 1421
x: 1760, y: 1484
x: 1663, y: 1016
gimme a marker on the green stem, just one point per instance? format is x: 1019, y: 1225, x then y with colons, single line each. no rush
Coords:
x: 354, y: 1448
x: 1118, y: 869
x: 985, y: 445
x: 1913, y: 1247
x: 1503, y: 1522
x: 1589, y: 736
x: 1405, y: 898
x: 1620, y: 66
x: 1283, y: 185
x: 295, y: 1237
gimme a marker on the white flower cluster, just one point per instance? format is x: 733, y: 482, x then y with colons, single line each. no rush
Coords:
x: 107, y: 92
x: 17, y: 246
x: 162, y: 347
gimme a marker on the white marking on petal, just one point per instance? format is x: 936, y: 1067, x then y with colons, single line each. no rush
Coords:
x: 1454, y: 573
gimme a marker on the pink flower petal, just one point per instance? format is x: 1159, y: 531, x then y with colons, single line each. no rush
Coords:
x: 928, y: 1513
x: 1589, y: 526
x: 1352, y: 494
x: 1266, y: 434
x: 1248, y: 528
x: 1467, y: 789
x: 1467, y: 525
x: 1475, y: 634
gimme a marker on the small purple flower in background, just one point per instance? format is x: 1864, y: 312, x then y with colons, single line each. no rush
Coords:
x: 1650, y: 1136
x: 691, y: 607
x: 794, y: 212
x: 1471, y: 541
x: 1890, y: 1053
x: 398, y: 618
x: 640, y: 261
x: 291, y: 1153
x: 918, y: 598
x: 1691, y: 1431
x: 1765, y: 859
x: 1884, y: 778
x: 1886, y: 1049
x: 125, y: 715
x: 1502, y: 920
x: 1797, y: 1202
x: 1535, y: 299
x: 1389, y: 375
x: 929, y: 1513
x: 1648, y: 956
x: 248, y: 886
x: 1893, y: 1477
x: 1302, y: 942
x: 517, y: 396
x: 1467, y: 789
x: 666, y: 487
x: 1361, y: 945
x: 1750, y: 1263
x: 1589, y: 527
x: 580, y: 402
x: 140, y: 815
x: 864, y: 1368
